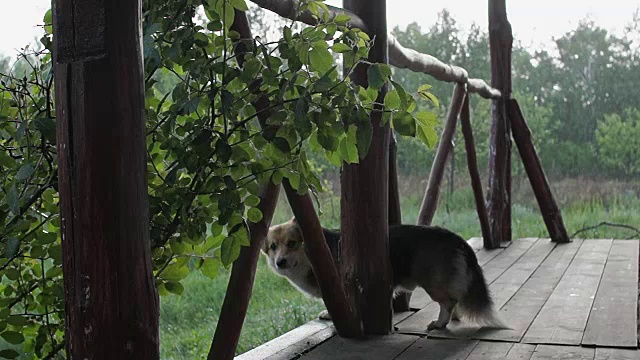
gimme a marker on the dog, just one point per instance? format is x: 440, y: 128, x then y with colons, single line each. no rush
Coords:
x: 434, y: 258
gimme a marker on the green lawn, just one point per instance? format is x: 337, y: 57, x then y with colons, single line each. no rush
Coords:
x: 188, y: 321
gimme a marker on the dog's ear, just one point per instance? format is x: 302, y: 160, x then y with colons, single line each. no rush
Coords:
x: 265, y: 243
x: 294, y: 221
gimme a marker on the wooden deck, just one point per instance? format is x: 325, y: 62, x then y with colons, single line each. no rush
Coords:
x: 570, y: 301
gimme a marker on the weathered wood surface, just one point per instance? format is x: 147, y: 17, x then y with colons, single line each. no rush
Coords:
x: 547, y: 203
x: 293, y: 343
x: 374, y: 348
x: 432, y: 192
x: 364, y: 196
x: 564, y: 316
x: 522, y: 308
x: 474, y: 174
x: 547, y: 352
x: 499, y: 195
x: 111, y: 301
x: 503, y: 288
x: 613, y: 320
x: 417, y: 323
x: 430, y: 349
x: 545, y: 303
x: 616, y: 354
x: 333, y: 291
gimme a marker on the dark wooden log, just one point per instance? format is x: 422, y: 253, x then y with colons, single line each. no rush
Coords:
x: 548, y: 207
x: 400, y: 302
x: 474, y: 174
x: 333, y: 291
x: 430, y: 201
x: 238, y: 294
x: 365, y: 196
x: 111, y: 302
x: 499, y: 195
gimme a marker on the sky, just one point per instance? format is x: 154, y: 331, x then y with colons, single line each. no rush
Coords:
x: 534, y: 23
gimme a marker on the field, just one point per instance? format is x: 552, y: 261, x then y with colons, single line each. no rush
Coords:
x: 188, y: 322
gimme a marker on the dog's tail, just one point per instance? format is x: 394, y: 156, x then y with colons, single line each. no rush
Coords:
x: 476, y: 305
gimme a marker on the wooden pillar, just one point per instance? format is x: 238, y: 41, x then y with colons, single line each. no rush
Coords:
x: 474, y: 174
x: 238, y: 294
x: 365, y: 197
x: 430, y: 201
x: 327, y: 275
x: 111, y: 303
x: 400, y: 302
x: 548, y: 208
x: 499, y: 195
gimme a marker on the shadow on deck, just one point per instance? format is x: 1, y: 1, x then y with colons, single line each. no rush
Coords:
x: 562, y: 301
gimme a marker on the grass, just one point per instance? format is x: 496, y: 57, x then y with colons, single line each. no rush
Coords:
x: 188, y: 321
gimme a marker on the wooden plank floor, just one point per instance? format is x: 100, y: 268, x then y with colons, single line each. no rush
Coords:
x: 566, y: 301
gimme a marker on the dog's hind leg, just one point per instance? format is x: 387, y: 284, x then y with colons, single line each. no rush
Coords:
x: 455, y: 313
x: 444, y: 316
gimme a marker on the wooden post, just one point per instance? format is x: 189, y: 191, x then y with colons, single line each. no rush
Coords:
x: 238, y: 294
x: 548, y: 208
x: 474, y: 174
x: 430, y: 201
x: 365, y: 196
x: 111, y: 303
x: 499, y: 196
x: 400, y: 302
x: 333, y: 292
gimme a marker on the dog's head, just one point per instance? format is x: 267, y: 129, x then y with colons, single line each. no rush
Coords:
x: 284, y: 247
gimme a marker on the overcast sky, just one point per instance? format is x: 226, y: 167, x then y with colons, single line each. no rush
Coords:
x: 533, y: 22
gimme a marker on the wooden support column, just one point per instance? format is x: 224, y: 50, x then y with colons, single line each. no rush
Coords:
x: 238, y: 294
x: 365, y: 196
x: 111, y: 303
x: 400, y: 302
x: 327, y: 275
x: 499, y: 195
x: 430, y: 201
x: 474, y: 174
x: 548, y: 207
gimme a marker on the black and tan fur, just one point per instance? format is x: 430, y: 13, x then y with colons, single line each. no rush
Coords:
x: 430, y: 257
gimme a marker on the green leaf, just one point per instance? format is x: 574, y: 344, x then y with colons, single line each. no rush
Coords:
x: 427, y: 95
x: 174, y: 287
x: 404, y: 123
x: 341, y: 48
x: 363, y: 135
x: 392, y: 100
x: 9, y: 354
x: 175, y: 272
x: 12, y: 337
x: 239, y: 4
x: 320, y: 57
x: 425, y: 128
x: 210, y: 267
x: 254, y: 215
x: 25, y: 172
x: 341, y: 19
x: 252, y: 200
x: 230, y: 250
x: 376, y: 77
x: 47, y: 128
x: 12, y: 247
x: 12, y: 200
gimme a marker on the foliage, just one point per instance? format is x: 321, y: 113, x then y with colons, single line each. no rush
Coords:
x: 209, y: 147
x: 619, y: 142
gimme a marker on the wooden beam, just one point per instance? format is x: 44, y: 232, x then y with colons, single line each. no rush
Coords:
x: 405, y: 58
x: 399, y: 56
x: 111, y: 302
x: 474, y: 174
x: 365, y: 196
x: 333, y: 292
x: 431, y: 194
x: 548, y: 207
x: 499, y: 196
